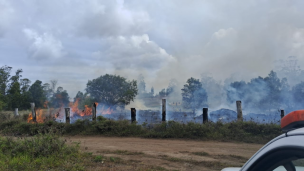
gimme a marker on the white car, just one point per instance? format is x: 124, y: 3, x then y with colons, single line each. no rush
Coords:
x: 283, y: 153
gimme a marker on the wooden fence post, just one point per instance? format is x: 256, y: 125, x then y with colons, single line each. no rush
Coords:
x: 16, y: 112
x: 163, y: 110
x: 205, y: 115
x: 94, y: 106
x: 133, y: 115
x: 239, y: 110
x: 282, y: 113
x: 67, y: 115
x: 33, y: 112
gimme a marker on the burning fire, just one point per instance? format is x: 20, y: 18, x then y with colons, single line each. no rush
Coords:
x: 87, y: 111
x: 41, y: 114
x: 106, y: 112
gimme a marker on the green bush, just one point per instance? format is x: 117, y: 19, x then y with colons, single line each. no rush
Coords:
x: 234, y: 131
x: 41, y: 152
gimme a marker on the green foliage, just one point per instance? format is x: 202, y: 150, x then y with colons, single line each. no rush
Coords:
x: 41, y: 152
x: 112, y: 90
x: 37, y: 94
x: 194, y: 95
x: 235, y: 131
x: 4, y: 78
x: 98, y: 158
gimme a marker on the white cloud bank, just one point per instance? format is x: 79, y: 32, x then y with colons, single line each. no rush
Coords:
x: 160, y: 39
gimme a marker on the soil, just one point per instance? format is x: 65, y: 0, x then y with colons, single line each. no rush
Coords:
x: 166, y: 154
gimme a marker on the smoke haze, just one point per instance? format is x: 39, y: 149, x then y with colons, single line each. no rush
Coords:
x: 77, y: 41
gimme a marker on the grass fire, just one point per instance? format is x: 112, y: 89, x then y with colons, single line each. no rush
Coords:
x: 123, y: 85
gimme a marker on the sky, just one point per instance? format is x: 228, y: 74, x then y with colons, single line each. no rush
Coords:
x: 76, y: 41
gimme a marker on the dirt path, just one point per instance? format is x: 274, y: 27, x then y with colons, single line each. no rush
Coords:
x: 169, y: 154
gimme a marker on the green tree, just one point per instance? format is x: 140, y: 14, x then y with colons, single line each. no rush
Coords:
x: 14, y: 94
x: 37, y: 94
x: 2, y: 102
x: 60, y: 98
x: 25, y: 94
x: 4, y: 84
x: 194, y: 95
x: 112, y: 90
x: 25, y: 84
x: 4, y: 78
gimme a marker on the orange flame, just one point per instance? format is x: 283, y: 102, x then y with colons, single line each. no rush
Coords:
x: 59, y: 114
x: 40, y: 116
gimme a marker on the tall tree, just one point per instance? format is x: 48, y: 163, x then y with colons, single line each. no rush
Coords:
x: 25, y: 94
x: 194, y: 95
x: 25, y: 84
x: 4, y: 78
x: 47, y: 90
x: 14, y: 94
x: 37, y: 94
x: 112, y: 90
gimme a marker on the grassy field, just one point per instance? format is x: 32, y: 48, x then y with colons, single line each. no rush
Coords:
x: 39, y: 146
x: 249, y: 132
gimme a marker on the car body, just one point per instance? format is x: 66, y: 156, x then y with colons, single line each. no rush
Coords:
x: 283, y: 153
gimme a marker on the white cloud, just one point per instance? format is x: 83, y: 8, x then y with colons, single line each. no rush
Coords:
x: 222, y: 33
x: 43, y: 46
x: 167, y: 38
x: 136, y: 52
x: 112, y: 18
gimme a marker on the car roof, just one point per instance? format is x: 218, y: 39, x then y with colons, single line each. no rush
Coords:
x: 296, y: 132
x: 299, y: 131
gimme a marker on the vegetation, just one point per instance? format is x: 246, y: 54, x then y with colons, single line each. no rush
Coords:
x: 112, y: 90
x: 194, y: 95
x: 45, y: 150
x: 18, y: 93
x: 263, y: 94
x: 250, y: 132
x: 41, y: 152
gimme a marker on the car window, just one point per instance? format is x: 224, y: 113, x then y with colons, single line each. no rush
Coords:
x: 281, y: 159
x: 298, y: 163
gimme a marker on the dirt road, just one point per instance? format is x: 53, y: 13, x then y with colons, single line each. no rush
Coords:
x: 169, y: 154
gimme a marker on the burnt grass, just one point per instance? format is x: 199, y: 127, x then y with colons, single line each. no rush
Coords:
x: 247, y: 131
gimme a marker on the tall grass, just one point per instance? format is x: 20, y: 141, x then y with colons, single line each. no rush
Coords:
x: 40, y: 152
x: 234, y: 131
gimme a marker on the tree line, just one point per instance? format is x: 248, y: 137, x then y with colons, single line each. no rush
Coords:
x: 111, y: 90
x: 115, y: 91
x: 268, y: 93
x: 18, y: 92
